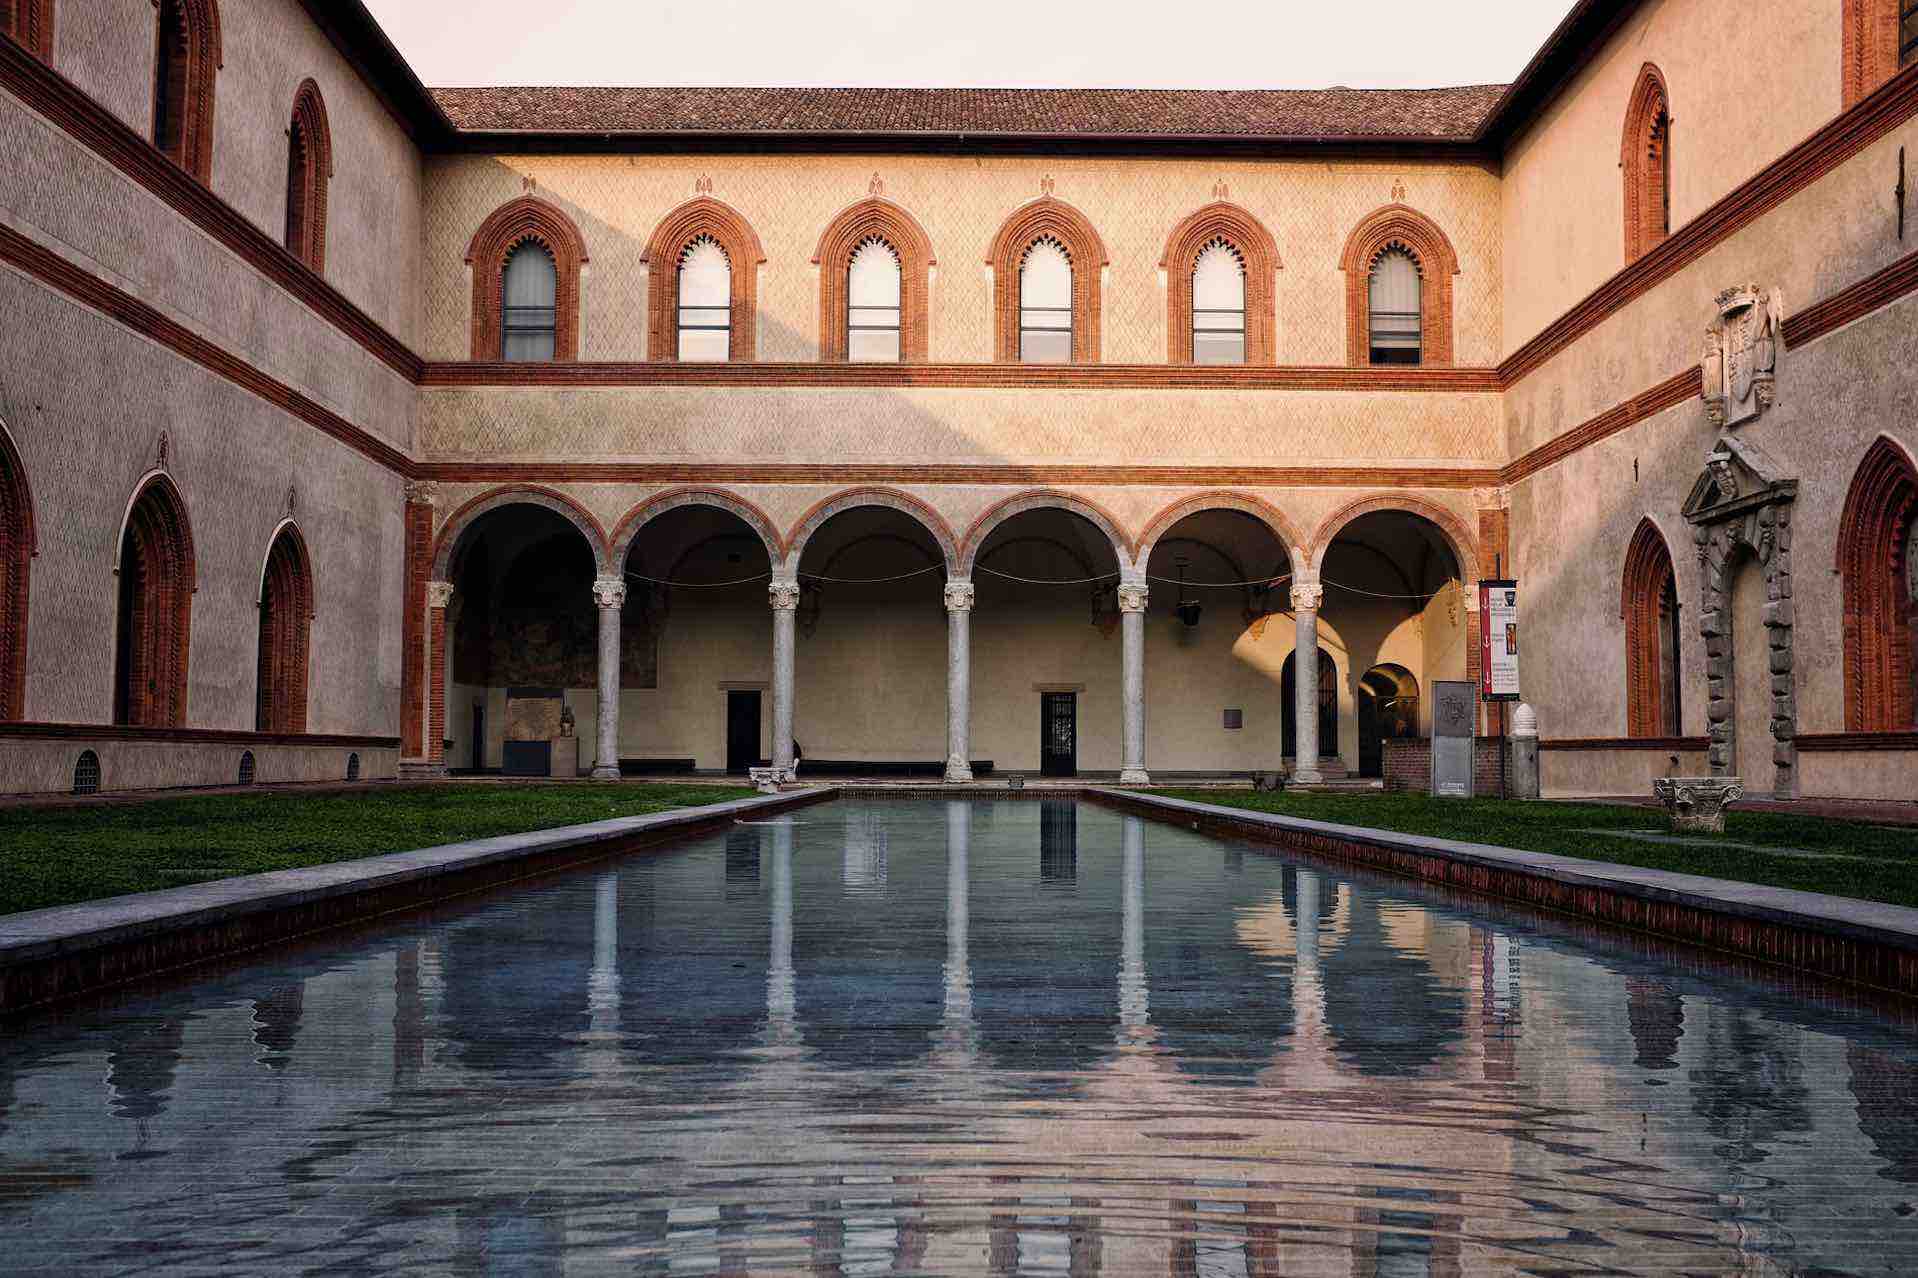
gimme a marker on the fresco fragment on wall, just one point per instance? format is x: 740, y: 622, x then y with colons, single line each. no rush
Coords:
x: 537, y: 625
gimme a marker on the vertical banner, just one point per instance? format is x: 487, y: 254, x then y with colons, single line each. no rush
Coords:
x: 1498, y: 640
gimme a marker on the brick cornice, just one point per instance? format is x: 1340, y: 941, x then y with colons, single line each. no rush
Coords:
x: 965, y: 376
x: 186, y: 736
x: 571, y: 472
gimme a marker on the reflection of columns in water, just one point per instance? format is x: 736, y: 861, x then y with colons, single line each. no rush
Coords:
x: 1308, y: 985
x: 956, y: 1028
x: 409, y: 1015
x: 602, y: 985
x: 1134, y: 1000
x: 782, y: 999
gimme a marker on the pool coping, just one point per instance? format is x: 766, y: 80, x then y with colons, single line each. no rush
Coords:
x: 67, y: 951
x: 1867, y: 942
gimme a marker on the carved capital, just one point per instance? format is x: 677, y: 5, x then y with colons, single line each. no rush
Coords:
x: 609, y: 592
x: 1308, y: 597
x: 422, y: 492
x: 1132, y: 597
x: 784, y: 595
x: 439, y: 594
x: 959, y: 596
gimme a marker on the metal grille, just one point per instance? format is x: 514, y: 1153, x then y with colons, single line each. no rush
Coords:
x: 86, y: 773
x: 246, y: 768
x: 353, y: 767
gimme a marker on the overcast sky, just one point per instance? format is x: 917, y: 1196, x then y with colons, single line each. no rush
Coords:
x: 1060, y: 43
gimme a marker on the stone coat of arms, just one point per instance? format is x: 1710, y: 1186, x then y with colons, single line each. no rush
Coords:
x: 1740, y: 360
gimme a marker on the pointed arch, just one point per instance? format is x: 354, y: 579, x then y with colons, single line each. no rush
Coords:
x: 1648, y: 603
x: 286, y: 627
x: 1645, y: 158
x: 527, y: 219
x: 30, y: 23
x: 853, y: 498
x: 702, y: 216
x: 1870, y: 46
x: 154, y: 631
x: 1043, y: 499
x: 1257, y: 251
x: 190, y: 55
x: 869, y: 218
x: 1399, y: 226
x: 1046, y: 217
x: 17, y: 548
x: 309, y: 168
x: 1875, y: 545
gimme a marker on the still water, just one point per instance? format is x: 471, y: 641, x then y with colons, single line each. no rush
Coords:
x: 995, y: 1037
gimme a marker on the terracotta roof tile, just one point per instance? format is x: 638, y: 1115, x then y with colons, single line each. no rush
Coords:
x: 1447, y: 114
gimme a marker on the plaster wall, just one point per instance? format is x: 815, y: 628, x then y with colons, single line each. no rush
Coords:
x: 46, y: 767
x: 1859, y: 774
x: 1583, y: 773
x: 1309, y: 207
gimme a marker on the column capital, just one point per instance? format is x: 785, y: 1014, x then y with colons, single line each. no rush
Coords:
x: 439, y: 594
x: 1307, y: 596
x: 959, y: 595
x: 1132, y: 596
x: 609, y: 592
x: 422, y: 492
x: 784, y: 595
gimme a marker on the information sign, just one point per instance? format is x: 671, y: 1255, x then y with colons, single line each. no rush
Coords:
x: 1498, y: 640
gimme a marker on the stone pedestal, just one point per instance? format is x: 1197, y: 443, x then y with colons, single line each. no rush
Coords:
x: 1697, y: 804
x: 1523, y: 744
x: 565, y: 758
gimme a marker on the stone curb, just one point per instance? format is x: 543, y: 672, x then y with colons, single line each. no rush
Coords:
x: 1865, y: 941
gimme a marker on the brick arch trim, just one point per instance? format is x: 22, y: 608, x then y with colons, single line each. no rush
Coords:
x: 151, y: 683
x: 1258, y: 252
x: 200, y: 60
x: 1265, y: 512
x: 1044, y: 499
x: 462, y: 520
x: 1463, y: 545
x: 744, y: 253
x: 1647, y: 576
x: 309, y: 169
x: 286, y: 630
x: 1869, y: 46
x: 30, y: 23
x: 1400, y: 226
x: 513, y: 224
x: 853, y: 227
x: 892, y: 498
x: 17, y: 547
x: 1643, y: 159
x: 1047, y: 216
x: 627, y: 531
x: 1879, y: 612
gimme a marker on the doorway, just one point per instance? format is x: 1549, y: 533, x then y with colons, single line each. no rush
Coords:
x: 1328, y: 707
x: 1059, y: 734
x: 479, y: 737
x: 1388, y: 710
x: 742, y: 730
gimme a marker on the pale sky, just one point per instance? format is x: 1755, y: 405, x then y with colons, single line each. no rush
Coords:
x: 1235, y: 44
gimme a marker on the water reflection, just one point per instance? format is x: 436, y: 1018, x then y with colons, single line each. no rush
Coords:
x: 1013, y: 1037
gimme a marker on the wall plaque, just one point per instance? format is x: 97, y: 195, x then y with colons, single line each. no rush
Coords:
x: 1454, y: 725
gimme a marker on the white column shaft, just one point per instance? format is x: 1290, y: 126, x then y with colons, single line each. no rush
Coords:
x: 610, y: 593
x: 1132, y: 604
x: 785, y: 602
x: 1305, y: 682
x: 959, y: 597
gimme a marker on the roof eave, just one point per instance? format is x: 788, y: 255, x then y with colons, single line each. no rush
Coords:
x: 360, y: 39
x: 1571, y: 46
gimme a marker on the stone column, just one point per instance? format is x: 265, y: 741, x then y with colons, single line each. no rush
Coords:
x: 784, y: 596
x: 1306, y: 597
x: 1132, y: 601
x: 439, y: 597
x: 959, y: 597
x: 610, y: 594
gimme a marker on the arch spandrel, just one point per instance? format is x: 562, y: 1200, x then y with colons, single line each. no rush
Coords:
x: 1043, y: 499
x: 462, y: 520
x: 891, y: 498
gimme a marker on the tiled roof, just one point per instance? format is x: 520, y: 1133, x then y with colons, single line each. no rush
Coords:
x: 1442, y: 114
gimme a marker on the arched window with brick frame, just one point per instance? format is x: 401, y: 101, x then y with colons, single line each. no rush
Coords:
x: 187, y: 58
x: 309, y: 167
x: 527, y: 221
x: 286, y: 627
x: 156, y: 609
x: 840, y: 313
x: 1052, y: 220
x: 1880, y: 37
x: 1645, y: 159
x: 1401, y: 230
x: 703, y: 219
x: 1878, y: 564
x: 1648, y: 603
x: 16, y: 564
x: 1218, y: 235
x: 30, y: 24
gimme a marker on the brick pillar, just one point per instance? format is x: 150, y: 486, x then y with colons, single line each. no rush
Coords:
x: 439, y: 594
x: 418, y: 530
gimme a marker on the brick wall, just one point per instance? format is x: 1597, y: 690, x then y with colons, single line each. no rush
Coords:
x: 1408, y: 765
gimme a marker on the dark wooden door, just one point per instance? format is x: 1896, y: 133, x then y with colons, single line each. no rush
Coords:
x: 1059, y: 734
x: 742, y: 730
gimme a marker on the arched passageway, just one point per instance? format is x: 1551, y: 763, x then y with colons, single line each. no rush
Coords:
x: 155, y: 610
x: 286, y: 624
x: 1388, y: 697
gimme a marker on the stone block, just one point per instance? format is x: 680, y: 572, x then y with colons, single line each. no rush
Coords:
x: 1711, y: 622
x: 1719, y: 710
x: 1778, y: 613
x: 1781, y: 660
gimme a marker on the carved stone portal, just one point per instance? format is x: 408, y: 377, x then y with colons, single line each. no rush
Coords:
x: 1740, y: 358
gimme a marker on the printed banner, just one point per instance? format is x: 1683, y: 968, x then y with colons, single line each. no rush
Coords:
x: 1498, y: 640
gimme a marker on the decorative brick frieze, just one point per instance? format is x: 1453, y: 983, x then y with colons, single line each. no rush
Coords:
x: 901, y: 232
x: 1645, y: 162
x: 1402, y: 227
x: 30, y: 23
x: 156, y: 578
x: 1047, y: 216
x: 1880, y: 615
x: 309, y: 168
x: 525, y: 220
x: 1258, y: 254
x: 702, y: 216
x: 1648, y: 582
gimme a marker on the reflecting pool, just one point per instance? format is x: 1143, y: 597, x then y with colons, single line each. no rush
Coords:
x: 1001, y: 1037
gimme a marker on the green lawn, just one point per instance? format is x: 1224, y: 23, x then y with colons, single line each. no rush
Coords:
x: 55, y: 856
x: 1876, y: 862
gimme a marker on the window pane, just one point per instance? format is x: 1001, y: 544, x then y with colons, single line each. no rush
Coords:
x: 873, y: 346
x: 528, y: 316
x: 1396, y: 299
x: 873, y: 277
x: 1045, y: 277
x: 704, y: 346
x: 705, y: 302
x: 529, y: 347
x: 1218, y: 348
x: 1045, y: 346
x: 1218, y: 279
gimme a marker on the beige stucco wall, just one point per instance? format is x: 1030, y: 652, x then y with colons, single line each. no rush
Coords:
x: 1570, y: 774
x: 47, y: 767
x: 1310, y: 208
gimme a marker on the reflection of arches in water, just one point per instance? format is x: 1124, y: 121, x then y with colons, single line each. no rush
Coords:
x: 1388, y: 1013
x: 1328, y: 706
x: 1388, y: 710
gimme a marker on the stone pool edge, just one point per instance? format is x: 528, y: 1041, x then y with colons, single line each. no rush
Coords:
x: 68, y: 951
x: 1868, y: 943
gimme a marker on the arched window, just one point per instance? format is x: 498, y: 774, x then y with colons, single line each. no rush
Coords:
x: 1649, y: 604
x: 1878, y: 560
x: 1395, y: 308
x: 529, y: 305
x: 872, y: 304
x: 286, y: 623
x: 188, y: 55
x: 1218, y: 305
x: 1880, y: 36
x: 30, y: 23
x: 1045, y: 304
x: 156, y: 602
x: 705, y: 303
x: 16, y: 560
x: 1646, y: 160
x: 309, y: 165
